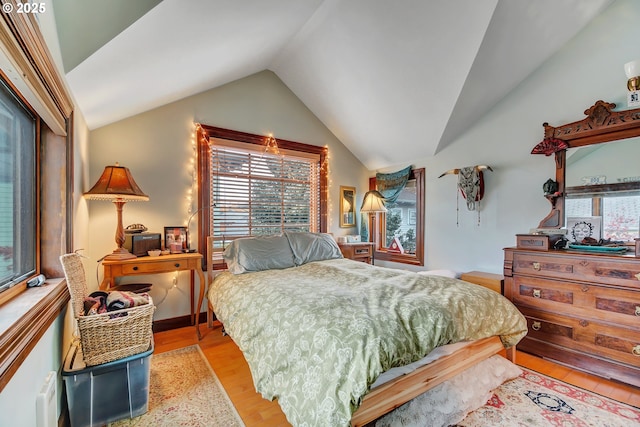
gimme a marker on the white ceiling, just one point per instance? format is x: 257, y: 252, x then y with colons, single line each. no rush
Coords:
x: 394, y: 80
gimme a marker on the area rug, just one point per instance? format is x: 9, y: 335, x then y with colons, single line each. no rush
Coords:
x: 184, y: 391
x: 535, y: 400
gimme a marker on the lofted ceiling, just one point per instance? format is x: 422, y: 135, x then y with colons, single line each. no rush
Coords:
x: 394, y: 80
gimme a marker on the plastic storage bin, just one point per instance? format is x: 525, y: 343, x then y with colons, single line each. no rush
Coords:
x: 101, y: 394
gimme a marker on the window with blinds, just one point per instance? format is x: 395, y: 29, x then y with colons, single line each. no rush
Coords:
x: 255, y: 191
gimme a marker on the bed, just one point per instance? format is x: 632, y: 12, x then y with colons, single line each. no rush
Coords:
x: 318, y: 330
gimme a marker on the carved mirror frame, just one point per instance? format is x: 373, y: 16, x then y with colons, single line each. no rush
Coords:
x: 601, y: 125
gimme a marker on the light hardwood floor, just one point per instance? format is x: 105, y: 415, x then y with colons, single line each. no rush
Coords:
x: 232, y: 370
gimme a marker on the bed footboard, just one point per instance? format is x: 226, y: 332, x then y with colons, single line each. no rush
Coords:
x: 392, y: 394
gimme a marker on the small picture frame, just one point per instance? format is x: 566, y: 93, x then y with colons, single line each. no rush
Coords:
x: 347, y: 206
x: 175, y: 239
x: 579, y: 228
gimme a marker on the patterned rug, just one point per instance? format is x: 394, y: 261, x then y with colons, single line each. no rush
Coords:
x: 534, y: 400
x: 184, y: 391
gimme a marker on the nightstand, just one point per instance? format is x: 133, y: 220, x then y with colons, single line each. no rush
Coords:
x: 359, y: 251
x: 488, y: 280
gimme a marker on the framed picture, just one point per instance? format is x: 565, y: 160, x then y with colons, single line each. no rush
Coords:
x: 579, y: 228
x: 347, y: 206
x: 175, y: 239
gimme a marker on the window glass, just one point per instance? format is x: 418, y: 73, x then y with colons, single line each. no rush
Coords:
x: 578, y: 207
x: 18, y: 216
x: 620, y: 214
x: 398, y: 219
x: 620, y: 217
x: 259, y: 193
x: 404, y: 221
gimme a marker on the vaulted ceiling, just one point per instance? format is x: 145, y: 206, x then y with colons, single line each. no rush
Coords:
x: 394, y: 80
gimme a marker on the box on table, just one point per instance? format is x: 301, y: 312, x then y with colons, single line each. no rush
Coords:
x: 101, y: 394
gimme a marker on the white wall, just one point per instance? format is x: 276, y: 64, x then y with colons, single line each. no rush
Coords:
x: 588, y: 68
x: 157, y: 147
x: 18, y: 398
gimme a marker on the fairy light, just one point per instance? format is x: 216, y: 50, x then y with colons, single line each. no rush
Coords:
x: 271, y: 145
x: 193, y: 171
x: 324, y: 167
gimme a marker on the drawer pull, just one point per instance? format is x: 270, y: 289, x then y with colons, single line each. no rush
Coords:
x: 537, y: 293
x: 135, y: 268
x: 637, y: 310
x: 536, y: 327
x: 536, y: 266
x: 176, y: 265
x: 638, y: 276
x: 636, y: 350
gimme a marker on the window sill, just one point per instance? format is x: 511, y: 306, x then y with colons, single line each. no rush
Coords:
x: 24, y: 320
x: 401, y: 258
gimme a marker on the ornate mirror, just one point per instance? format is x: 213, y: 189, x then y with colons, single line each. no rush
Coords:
x: 596, y: 169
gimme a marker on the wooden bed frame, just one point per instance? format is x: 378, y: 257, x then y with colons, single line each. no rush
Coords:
x: 392, y: 394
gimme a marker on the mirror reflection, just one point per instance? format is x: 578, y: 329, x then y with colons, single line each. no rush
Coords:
x: 603, y: 180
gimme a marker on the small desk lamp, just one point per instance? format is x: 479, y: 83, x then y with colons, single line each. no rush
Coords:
x: 371, y: 205
x: 117, y: 185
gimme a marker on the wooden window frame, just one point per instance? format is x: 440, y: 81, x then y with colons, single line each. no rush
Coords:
x: 203, y: 133
x: 42, y: 88
x: 376, y: 226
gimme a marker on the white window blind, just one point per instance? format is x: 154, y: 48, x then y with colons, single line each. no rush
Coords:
x: 255, y: 192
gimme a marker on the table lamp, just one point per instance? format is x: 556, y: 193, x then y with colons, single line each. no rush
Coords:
x: 373, y: 203
x: 117, y: 185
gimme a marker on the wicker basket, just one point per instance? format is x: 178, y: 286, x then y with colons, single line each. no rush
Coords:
x: 106, y: 337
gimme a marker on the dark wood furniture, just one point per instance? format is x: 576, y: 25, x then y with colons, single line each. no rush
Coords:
x: 582, y: 309
x: 602, y: 125
x: 359, y: 251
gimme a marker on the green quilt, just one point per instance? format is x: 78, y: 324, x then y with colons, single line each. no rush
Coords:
x: 317, y: 336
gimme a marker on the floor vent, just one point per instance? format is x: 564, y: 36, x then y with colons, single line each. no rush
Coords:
x: 46, y: 402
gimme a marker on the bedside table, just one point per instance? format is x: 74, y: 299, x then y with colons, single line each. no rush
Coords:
x: 488, y: 280
x: 359, y: 251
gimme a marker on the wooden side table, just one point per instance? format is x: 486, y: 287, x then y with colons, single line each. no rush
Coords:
x: 155, y: 265
x: 488, y: 280
x: 359, y: 251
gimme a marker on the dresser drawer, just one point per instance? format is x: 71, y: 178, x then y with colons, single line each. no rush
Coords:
x: 620, y: 271
x: 613, y: 342
x: 605, y: 304
x: 142, y: 267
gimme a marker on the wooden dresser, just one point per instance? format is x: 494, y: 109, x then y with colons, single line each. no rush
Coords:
x: 582, y: 309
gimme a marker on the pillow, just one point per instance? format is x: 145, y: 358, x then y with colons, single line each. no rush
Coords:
x: 308, y: 247
x: 258, y: 253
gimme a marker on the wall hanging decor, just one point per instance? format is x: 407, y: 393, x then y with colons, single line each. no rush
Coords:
x: 470, y: 185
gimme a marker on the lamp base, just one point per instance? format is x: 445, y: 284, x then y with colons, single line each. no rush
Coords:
x: 119, y: 255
